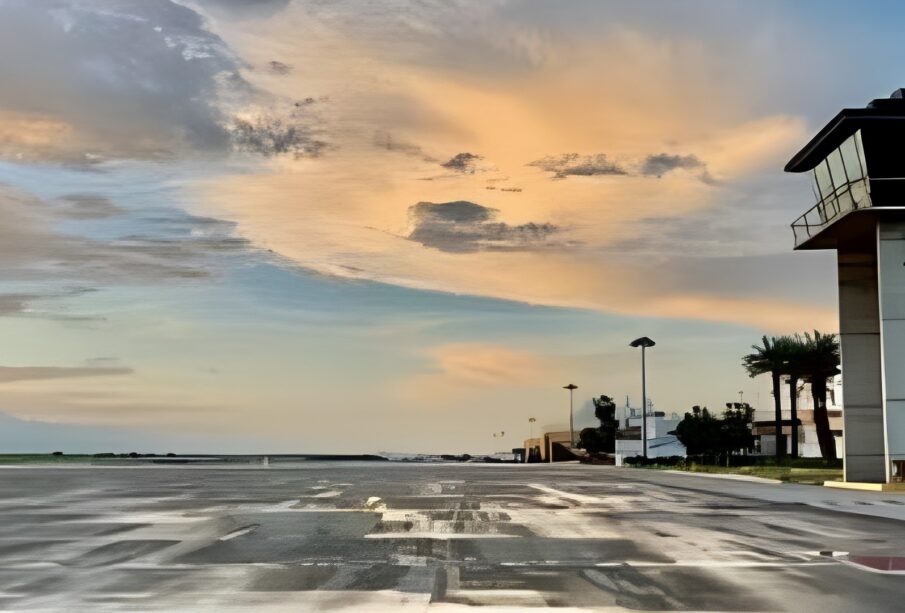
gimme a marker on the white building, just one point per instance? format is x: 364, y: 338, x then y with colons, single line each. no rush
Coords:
x: 808, y: 446
x: 660, y: 443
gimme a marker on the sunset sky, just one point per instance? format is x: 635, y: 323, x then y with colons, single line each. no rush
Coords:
x: 347, y: 226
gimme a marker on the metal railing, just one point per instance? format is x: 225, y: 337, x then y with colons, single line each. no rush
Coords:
x: 849, y: 197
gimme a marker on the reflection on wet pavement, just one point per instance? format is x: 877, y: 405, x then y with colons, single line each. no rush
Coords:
x: 344, y: 536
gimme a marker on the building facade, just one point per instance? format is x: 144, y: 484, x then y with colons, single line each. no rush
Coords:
x: 764, y: 427
x: 660, y: 443
x: 858, y: 175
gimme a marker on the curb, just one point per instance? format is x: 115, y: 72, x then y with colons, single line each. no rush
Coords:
x: 731, y: 477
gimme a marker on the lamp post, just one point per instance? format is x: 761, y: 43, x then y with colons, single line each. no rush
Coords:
x: 644, y: 343
x: 531, y: 421
x: 571, y: 387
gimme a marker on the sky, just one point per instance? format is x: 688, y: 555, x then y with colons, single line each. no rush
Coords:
x: 335, y: 226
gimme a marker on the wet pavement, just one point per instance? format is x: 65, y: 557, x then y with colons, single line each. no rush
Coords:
x: 381, y: 536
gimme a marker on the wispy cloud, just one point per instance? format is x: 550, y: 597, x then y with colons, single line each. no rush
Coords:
x: 88, y: 206
x: 155, y: 245
x: 599, y: 164
x: 385, y: 140
x: 10, y: 374
x: 486, y: 364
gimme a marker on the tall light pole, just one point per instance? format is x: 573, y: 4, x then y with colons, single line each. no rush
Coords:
x: 571, y: 387
x: 644, y: 343
x: 531, y: 421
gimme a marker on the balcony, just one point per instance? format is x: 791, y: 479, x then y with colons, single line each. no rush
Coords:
x: 841, y: 185
x: 843, y: 200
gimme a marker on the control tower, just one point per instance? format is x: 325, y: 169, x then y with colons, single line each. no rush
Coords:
x: 857, y: 162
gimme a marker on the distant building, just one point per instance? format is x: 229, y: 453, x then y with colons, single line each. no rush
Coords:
x: 764, y: 428
x: 660, y: 443
x: 550, y: 447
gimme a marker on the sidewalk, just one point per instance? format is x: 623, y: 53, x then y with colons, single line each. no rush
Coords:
x: 751, y: 478
x: 888, y: 505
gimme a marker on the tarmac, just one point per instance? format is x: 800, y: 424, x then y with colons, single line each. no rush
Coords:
x: 325, y: 536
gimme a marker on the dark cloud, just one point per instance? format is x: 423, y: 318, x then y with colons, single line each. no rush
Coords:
x: 573, y: 164
x: 653, y: 165
x: 279, y: 68
x: 659, y: 164
x: 124, y: 78
x: 271, y: 135
x: 463, y: 162
x: 8, y: 374
x: 385, y: 140
x: 462, y: 227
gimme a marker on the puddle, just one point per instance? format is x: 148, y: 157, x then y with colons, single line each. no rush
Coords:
x: 883, y: 564
x: 877, y: 564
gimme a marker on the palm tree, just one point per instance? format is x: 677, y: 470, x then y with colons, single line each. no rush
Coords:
x: 820, y: 363
x: 795, y: 352
x: 771, y: 358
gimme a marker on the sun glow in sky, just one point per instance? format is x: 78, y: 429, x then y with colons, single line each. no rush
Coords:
x: 312, y: 226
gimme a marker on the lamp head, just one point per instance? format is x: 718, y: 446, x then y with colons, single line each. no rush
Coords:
x: 642, y: 342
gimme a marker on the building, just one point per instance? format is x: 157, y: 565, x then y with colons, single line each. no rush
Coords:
x: 550, y: 447
x: 858, y: 173
x: 660, y: 443
x: 764, y: 427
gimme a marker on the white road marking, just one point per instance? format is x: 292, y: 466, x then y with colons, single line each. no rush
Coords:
x: 239, y: 532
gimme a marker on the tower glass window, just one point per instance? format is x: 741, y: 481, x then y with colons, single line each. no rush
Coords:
x: 841, y: 186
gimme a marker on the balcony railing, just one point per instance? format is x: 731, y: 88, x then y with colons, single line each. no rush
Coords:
x: 847, y: 198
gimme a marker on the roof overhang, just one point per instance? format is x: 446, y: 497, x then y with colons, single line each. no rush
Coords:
x: 843, y: 125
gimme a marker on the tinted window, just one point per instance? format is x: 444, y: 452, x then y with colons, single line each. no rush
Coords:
x: 860, y: 146
x: 851, y: 160
x: 822, y: 176
x: 837, y: 170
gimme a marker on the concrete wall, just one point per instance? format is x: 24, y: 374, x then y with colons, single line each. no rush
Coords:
x: 891, y: 254
x: 545, y: 441
x: 859, y: 326
x: 657, y: 426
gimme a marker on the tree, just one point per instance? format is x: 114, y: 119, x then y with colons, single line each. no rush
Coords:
x: 605, y: 411
x: 771, y: 358
x: 820, y: 362
x: 794, y: 348
x: 699, y: 432
x: 705, y: 435
x: 735, y: 429
x: 591, y: 440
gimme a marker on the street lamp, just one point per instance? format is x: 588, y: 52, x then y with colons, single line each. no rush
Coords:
x: 531, y: 421
x: 571, y: 387
x: 644, y: 343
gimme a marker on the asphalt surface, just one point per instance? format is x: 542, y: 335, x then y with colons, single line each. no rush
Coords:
x: 380, y: 536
